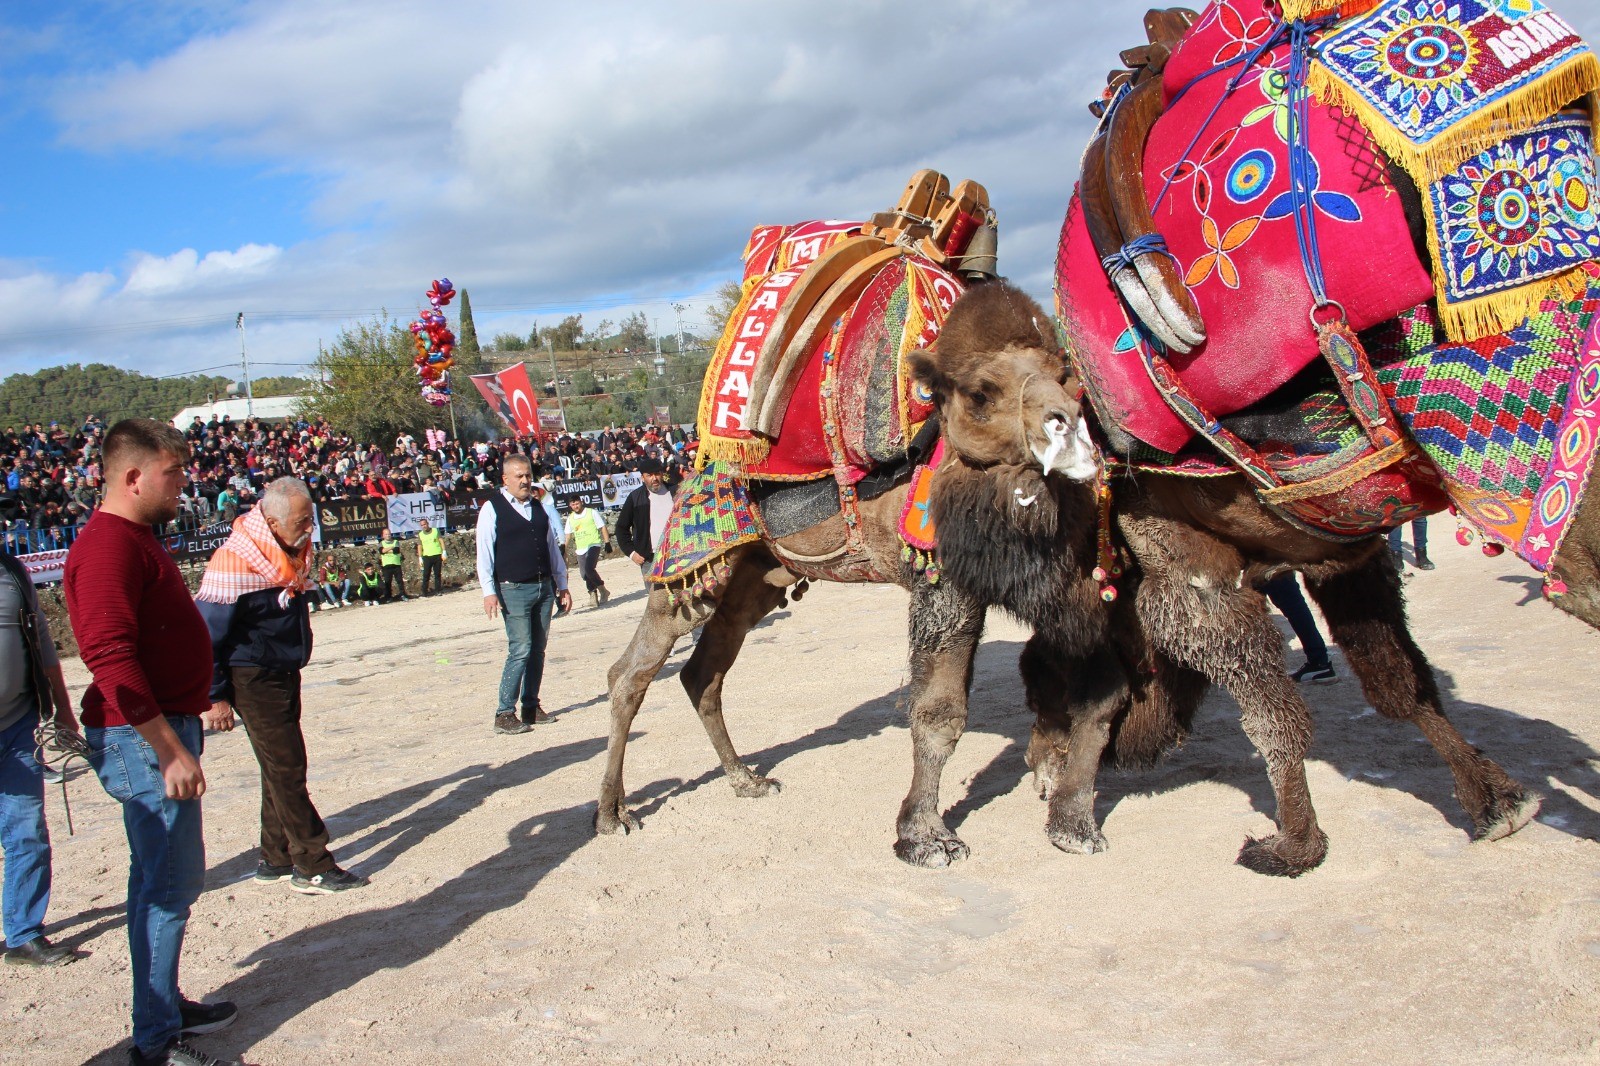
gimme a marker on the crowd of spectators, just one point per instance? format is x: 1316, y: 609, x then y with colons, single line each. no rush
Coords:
x: 52, y: 474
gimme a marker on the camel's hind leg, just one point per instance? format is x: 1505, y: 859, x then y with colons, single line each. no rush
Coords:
x: 945, y: 627
x: 629, y: 680
x: 1366, y: 617
x: 747, y: 598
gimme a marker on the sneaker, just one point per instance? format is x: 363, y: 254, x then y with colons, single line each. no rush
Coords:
x: 510, y: 725
x: 201, y: 1018
x: 178, y: 1053
x: 605, y: 594
x: 268, y: 874
x: 1315, y: 674
x: 327, y: 882
x: 538, y: 716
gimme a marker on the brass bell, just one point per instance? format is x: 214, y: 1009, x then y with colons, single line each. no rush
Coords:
x: 979, y: 264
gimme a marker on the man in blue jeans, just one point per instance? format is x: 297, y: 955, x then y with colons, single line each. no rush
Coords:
x: 149, y: 651
x: 30, y: 682
x: 523, y: 576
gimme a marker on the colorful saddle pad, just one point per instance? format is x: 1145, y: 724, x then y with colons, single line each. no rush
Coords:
x: 710, y: 517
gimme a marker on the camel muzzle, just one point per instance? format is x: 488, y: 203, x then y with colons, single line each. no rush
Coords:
x: 1069, y: 450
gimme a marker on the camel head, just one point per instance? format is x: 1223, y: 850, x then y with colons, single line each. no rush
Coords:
x: 1003, y: 390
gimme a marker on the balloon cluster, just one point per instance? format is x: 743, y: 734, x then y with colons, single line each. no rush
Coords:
x: 435, y: 344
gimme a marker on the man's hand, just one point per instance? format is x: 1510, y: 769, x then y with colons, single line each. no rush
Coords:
x: 638, y: 560
x: 179, y: 768
x: 219, y: 717
x: 564, y: 600
x: 491, y: 606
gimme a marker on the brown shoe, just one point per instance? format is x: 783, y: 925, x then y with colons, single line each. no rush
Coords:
x: 538, y: 716
x: 510, y: 725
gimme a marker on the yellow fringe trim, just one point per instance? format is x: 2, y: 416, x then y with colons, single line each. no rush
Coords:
x: 1503, y: 311
x: 722, y: 448
x: 1342, y: 478
x: 1426, y: 163
x: 1313, y: 9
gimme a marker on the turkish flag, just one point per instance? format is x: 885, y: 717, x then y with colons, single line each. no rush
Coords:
x: 511, y: 394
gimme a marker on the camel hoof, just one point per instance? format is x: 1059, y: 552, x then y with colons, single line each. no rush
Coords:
x: 1508, y: 814
x: 1079, y: 842
x: 608, y: 822
x: 755, y: 786
x: 935, y: 854
x: 1275, y: 856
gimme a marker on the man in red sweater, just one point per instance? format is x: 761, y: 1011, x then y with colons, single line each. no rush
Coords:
x: 149, y: 651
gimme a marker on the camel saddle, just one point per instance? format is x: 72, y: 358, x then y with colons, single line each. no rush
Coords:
x: 835, y: 305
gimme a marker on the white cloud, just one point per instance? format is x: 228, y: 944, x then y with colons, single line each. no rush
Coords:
x: 185, y: 270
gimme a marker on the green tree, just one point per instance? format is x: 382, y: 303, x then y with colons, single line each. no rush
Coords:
x: 564, y: 337
x: 723, y: 301
x: 367, y: 383
x: 508, y: 342
x: 635, y: 334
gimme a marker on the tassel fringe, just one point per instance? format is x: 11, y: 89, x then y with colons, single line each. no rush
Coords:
x: 1305, y: 10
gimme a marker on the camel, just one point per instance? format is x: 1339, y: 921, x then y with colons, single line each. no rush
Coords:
x: 1015, y: 534
x: 945, y: 625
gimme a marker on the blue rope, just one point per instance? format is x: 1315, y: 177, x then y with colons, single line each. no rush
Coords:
x: 1301, y: 188
x: 1123, y: 259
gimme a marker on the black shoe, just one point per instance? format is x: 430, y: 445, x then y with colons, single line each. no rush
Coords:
x: 327, y: 882
x: 536, y: 717
x: 268, y: 874
x: 510, y: 725
x: 1316, y: 674
x: 178, y: 1053
x: 40, y: 952
x: 201, y: 1018
x: 1425, y: 563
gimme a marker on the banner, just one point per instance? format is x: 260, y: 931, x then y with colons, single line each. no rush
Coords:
x: 585, y: 488
x: 614, y: 488
x: 663, y: 414
x: 345, y: 520
x: 407, y: 509
x: 196, y: 544
x: 44, y: 567
x: 511, y: 396
x: 553, y: 421
x: 462, y: 510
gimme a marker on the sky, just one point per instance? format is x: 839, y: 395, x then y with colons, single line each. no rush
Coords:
x: 171, y: 164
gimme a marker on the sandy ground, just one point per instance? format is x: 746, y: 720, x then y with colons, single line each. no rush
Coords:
x: 498, y: 929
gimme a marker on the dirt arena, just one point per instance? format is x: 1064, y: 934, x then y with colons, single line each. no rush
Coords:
x: 783, y: 930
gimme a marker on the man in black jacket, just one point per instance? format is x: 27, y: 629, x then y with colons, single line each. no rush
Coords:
x: 253, y: 600
x: 642, y: 522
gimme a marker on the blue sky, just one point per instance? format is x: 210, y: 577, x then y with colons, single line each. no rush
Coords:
x: 170, y: 164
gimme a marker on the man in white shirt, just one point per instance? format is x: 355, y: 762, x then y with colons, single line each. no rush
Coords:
x: 523, y: 575
x: 642, y: 522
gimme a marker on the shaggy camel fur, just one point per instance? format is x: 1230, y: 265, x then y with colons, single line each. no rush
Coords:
x: 1190, y: 612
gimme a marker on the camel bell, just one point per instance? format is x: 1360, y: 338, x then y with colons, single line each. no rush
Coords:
x: 979, y: 264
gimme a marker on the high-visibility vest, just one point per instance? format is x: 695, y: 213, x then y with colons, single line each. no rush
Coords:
x: 389, y: 553
x: 432, y: 542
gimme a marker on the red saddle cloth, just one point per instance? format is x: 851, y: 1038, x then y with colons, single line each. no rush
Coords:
x: 1227, y: 220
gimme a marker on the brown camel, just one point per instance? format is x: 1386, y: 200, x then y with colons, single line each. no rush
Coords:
x: 1190, y: 612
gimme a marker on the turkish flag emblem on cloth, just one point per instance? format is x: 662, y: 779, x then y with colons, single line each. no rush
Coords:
x: 511, y: 394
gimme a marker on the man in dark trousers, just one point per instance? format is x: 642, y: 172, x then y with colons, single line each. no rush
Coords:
x: 393, y: 566
x: 145, y: 644
x: 642, y: 522
x: 523, y: 576
x: 254, y: 602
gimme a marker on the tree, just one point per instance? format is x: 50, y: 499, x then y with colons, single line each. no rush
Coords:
x: 508, y: 342
x: 368, y: 386
x: 635, y: 335
x: 564, y: 337
x: 723, y: 302
x: 466, y: 401
x: 602, y: 333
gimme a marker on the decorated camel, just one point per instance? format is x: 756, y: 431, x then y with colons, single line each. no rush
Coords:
x: 814, y: 449
x: 1330, y: 267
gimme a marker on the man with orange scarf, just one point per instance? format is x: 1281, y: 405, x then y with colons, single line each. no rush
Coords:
x: 253, y: 598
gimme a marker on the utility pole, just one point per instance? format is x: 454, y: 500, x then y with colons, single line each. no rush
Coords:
x: 555, y: 379
x: 244, y: 358
x: 679, y: 308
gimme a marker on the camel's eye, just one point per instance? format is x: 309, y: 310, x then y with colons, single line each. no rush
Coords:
x: 978, y: 398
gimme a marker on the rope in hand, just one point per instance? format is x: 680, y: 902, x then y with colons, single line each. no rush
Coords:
x: 54, y: 748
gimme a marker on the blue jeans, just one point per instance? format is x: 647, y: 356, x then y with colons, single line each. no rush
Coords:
x: 167, y: 871
x: 23, y: 834
x: 1284, y: 592
x: 1419, y: 539
x: 526, y: 607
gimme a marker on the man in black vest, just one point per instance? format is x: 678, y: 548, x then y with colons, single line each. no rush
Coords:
x: 523, y: 576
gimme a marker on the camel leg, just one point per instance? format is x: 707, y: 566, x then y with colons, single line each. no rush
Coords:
x: 747, y: 599
x: 629, y: 680
x: 1197, y: 609
x: 1366, y: 617
x: 945, y: 627
x: 1078, y: 696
